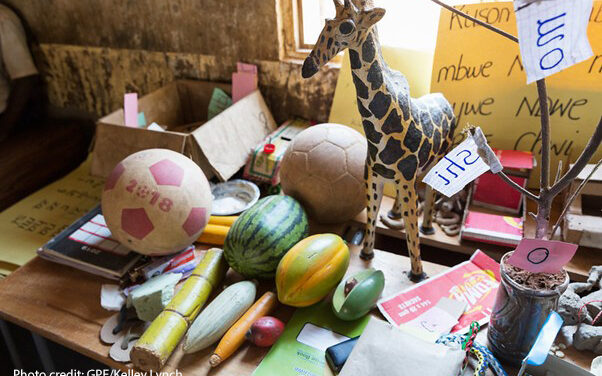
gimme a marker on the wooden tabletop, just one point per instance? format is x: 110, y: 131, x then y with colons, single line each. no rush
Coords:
x: 63, y: 305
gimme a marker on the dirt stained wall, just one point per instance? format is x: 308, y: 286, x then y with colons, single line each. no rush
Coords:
x: 91, y: 52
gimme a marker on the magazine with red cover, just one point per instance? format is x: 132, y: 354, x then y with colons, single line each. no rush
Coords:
x: 492, y: 228
x: 474, y: 281
x: 491, y: 191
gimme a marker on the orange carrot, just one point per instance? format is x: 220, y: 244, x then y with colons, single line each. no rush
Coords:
x: 235, y: 336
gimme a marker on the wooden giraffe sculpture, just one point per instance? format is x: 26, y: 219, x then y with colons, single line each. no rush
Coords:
x: 406, y: 136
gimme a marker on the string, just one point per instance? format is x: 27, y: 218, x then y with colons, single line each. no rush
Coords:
x: 469, y: 341
x: 584, y: 305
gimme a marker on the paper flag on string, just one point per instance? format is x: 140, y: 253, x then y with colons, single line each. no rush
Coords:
x: 130, y: 109
x: 539, y: 352
x: 458, y: 168
x: 552, y: 35
x: 542, y: 256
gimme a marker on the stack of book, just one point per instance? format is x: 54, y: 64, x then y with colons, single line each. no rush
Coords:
x: 87, y: 245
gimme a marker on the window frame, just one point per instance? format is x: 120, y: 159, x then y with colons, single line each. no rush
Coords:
x: 294, y: 45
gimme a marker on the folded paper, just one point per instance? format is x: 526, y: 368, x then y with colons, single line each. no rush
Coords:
x: 459, y: 167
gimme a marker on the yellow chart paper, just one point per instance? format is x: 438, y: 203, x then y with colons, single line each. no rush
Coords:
x: 30, y: 223
x: 481, y: 74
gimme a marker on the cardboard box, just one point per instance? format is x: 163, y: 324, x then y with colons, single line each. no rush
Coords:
x: 490, y: 191
x: 263, y: 165
x: 221, y: 146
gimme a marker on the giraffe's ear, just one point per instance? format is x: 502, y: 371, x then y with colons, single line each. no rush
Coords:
x: 372, y: 16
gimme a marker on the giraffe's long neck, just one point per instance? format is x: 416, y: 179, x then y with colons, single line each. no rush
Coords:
x: 368, y: 55
x: 371, y: 74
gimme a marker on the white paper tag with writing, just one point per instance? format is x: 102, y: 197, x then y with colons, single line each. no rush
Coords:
x: 552, y: 35
x: 458, y: 168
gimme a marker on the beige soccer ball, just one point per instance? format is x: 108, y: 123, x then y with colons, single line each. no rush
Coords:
x: 323, y: 169
x: 156, y: 202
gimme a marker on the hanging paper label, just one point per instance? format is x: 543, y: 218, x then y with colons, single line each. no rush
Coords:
x: 552, y: 35
x: 542, y: 256
x: 458, y: 168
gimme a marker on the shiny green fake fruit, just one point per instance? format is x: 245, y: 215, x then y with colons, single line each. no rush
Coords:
x: 357, y: 295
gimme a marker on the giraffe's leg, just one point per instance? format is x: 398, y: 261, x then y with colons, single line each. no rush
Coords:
x: 374, y: 191
x: 395, y: 212
x: 410, y: 217
x: 391, y: 220
x: 429, y: 206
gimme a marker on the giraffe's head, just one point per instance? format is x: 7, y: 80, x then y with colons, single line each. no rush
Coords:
x: 348, y: 29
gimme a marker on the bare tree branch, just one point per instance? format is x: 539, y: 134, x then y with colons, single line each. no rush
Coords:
x: 544, y: 181
x: 558, y: 171
x: 584, y: 158
x: 574, y: 195
x: 484, y: 24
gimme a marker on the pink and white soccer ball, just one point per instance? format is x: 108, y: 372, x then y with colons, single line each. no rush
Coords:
x: 156, y: 202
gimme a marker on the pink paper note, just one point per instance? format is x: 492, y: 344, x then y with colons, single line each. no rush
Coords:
x: 247, y: 68
x: 243, y: 84
x: 130, y: 109
x: 537, y: 256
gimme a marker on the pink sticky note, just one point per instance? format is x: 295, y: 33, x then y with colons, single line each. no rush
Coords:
x: 130, y: 109
x: 243, y: 84
x: 248, y: 68
x: 537, y: 256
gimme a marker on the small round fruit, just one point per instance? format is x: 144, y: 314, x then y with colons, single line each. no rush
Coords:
x: 265, y: 331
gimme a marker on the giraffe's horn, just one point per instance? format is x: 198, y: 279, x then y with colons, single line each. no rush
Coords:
x: 350, y: 5
x: 337, y: 4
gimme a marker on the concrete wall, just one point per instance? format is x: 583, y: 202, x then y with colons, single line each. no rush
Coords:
x: 92, y: 51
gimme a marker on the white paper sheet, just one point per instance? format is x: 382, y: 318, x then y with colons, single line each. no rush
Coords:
x: 552, y: 35
x: 458, y: 168
x: 318, y: 337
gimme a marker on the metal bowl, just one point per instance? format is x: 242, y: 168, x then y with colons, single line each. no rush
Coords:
x: 233, y: 197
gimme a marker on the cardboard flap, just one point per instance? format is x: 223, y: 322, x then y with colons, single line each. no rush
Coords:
x: 228, y: 139
x: 115, y: 142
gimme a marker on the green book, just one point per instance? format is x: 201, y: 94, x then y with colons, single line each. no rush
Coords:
x: 301, y: 348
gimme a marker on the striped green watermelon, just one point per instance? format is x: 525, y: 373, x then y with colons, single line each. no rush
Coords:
x: 261, y: 235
